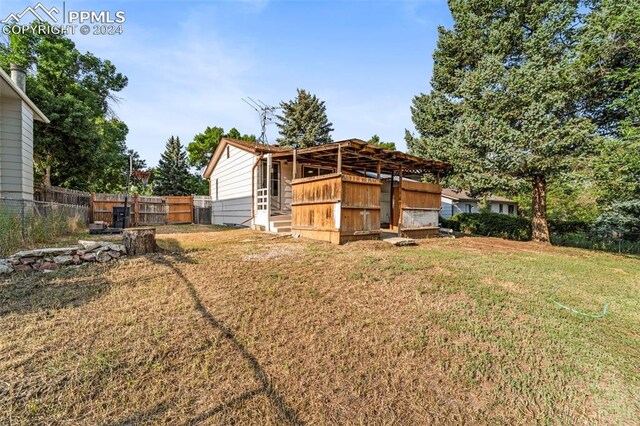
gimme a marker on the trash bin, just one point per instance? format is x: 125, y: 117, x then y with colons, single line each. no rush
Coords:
x: 119, y: 216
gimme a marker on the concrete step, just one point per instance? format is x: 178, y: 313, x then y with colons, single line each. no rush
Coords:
x: 284, y: 229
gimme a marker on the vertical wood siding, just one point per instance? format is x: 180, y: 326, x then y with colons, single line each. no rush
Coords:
x: 336, y: 208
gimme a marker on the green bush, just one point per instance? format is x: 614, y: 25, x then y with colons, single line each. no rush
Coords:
x: 569, y: 226
x: 492, y: 225
x: 592, y: 241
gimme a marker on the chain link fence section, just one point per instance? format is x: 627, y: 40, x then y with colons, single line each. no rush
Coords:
x: 30, y: 222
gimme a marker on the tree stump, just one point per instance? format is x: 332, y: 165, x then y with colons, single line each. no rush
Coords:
x: 139, y: 241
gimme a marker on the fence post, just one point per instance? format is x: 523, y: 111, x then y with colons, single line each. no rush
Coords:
x: 91, y: 200
x: 22, y: 221
x: 191, y: 208
x: 136, y: 207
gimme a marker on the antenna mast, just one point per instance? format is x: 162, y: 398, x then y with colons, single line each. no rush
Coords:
x: 266, y: 113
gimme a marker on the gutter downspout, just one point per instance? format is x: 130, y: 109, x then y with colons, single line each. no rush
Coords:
x: 253, y: 188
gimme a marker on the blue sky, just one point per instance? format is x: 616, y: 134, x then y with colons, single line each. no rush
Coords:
x: 190, y: 63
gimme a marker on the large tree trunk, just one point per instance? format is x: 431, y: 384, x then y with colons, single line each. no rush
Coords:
x: 46, y: 177
x: 539, y: 227
x: 139, y: 241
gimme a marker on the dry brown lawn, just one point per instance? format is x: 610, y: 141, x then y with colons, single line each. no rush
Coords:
x: 238, y: 327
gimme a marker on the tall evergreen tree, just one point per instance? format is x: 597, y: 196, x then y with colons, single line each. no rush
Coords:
x: 172, y: 175
x: 304, y: 122
x: 503, y: 109
x: 609, y: 59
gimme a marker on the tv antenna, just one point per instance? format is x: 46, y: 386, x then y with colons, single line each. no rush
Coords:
x: 266, y: 113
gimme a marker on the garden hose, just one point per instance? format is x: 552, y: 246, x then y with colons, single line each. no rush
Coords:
x: 575, y: 311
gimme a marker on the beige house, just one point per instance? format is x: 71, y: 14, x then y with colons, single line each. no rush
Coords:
x: 17, y: 113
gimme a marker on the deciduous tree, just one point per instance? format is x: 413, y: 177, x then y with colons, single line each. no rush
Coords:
x: 204, y: 144
x: 84, y: 145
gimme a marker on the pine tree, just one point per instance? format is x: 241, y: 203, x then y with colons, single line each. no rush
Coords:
x: 304, y: 122
x: 503, y: 109
x: 172, y: 175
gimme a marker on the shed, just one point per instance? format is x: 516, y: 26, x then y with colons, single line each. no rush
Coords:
x: 346, y: 205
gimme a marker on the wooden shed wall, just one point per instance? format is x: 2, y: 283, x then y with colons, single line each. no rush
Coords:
x: 360, y: 208
x: 336, y: 208
x: 419, y: 208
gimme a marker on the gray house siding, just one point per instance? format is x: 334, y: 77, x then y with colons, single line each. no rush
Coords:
x: 16, y: 149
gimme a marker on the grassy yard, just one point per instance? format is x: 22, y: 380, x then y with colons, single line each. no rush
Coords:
x: 249, y: 328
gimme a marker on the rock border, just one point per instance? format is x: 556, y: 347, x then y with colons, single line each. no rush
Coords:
x: 50, y: 259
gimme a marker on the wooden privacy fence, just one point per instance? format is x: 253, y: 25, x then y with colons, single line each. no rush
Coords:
x: 58, y: 195
x: 144, y: 210
x: 336, y: 208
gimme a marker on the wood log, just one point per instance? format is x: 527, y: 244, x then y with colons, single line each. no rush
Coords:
x: 139, y: 241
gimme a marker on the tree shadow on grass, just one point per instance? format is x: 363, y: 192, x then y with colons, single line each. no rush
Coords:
x: 285, y: 413
x: 33, y: 292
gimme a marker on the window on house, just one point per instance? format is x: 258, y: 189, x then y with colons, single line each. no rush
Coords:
x: 262, y: 175
x: 228, y: 151
x: 315, y: 171
x: 500, y: 208
x: 216, y: 189
x: 468, y: 208
x: 511, y: 209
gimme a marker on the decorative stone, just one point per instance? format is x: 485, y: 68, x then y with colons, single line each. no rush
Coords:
x: 28, y: 260
x: 64, y: 259
x: 89, y: 245
x: 22, y: 268
x: 102, y: 256
x: 45, y: 252
x: 5, y: 268
x: 114, y: 254
x: 88, y: 257
x: 76, y: 259
x: 48, y: 266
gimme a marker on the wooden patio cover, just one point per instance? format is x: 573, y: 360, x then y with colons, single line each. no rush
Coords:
x: 357, y: 155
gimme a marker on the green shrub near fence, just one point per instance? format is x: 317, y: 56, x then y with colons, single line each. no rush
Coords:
x: 20, y: 228
x: 490, y: 225
x: 593, y: 242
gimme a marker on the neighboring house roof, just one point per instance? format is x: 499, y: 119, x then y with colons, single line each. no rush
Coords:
x: 253, y: 147
x: 463, y: 195
x: 5, y: 81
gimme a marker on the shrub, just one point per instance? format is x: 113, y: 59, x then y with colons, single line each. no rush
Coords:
x: 492, y: 225
x: 620, y: 221
x: 569, y: 226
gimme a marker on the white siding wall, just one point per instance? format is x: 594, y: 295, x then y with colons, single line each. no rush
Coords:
x: 230, y: 187
x: 16, y: 149
x: 451, y: 208
x: 495, y: 208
